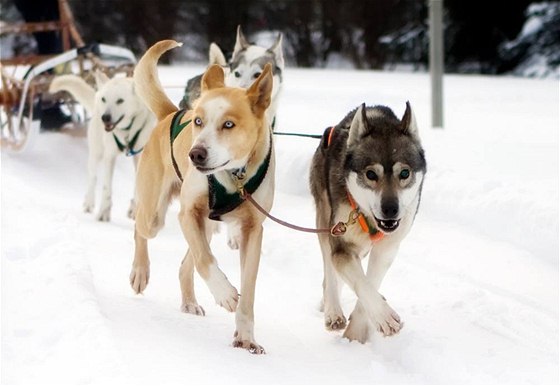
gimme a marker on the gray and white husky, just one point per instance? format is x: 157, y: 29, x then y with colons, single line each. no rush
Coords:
x: 246, y: 64
x: 370, y: 167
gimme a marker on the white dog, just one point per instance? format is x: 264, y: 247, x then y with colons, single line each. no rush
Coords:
x: 120, y: 123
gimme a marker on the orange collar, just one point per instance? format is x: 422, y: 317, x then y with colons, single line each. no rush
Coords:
x: 374, y: 233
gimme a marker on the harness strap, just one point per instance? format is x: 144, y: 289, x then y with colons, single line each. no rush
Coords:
x: 221, y: 202
x: 174, y: 130
x: 129, y: 147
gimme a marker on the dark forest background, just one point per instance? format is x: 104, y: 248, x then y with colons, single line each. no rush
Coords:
x: 490, y: 37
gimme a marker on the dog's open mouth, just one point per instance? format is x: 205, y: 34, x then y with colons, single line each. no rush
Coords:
x: 110, y: 126
x: 387, y: 226
x: 206, y: 170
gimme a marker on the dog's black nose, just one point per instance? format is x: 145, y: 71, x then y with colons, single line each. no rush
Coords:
x: 390, y: 208
x: 106, y: 118
x: 198, y: 155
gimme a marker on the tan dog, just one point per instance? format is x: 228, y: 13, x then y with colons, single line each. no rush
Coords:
x: 228, y: 141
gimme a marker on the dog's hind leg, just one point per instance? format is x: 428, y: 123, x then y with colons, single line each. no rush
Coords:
x: 140, y: 274
x: 189, y: 303
x: 94, y: 158
x: 380, y: 259
x: 186, y: 278
x: 250, y: 253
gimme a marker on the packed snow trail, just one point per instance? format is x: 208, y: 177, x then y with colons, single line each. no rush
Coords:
x: 476, y: 281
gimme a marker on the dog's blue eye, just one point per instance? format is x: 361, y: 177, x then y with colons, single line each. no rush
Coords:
x: 256, y: 75
x: 371, y: 175
x: 237, y: 74
x: 119, y: 101
x: 404, y: 174
x: 198, y: 121
x: 228, y: 125
x: 103, y: 100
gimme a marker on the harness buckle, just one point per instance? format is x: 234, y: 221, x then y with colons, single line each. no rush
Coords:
x: 340, y: 228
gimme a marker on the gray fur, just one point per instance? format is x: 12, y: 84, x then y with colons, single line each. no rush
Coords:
x: 367, y: 139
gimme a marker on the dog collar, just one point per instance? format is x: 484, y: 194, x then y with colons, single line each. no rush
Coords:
x: 374, y: 233
x: 221, y: 202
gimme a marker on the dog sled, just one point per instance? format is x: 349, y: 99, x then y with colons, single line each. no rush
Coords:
x: 25, y: 80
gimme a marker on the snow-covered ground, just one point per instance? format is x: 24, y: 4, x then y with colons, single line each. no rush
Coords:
x: 476, y: 281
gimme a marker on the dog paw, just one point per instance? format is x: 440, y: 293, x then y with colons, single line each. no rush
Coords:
x: 88, y: 206
x: 192, y: 308
x: 357, y: 330
x: 247, y: 344
x: 224, y: 293
x: 104, y: 216
x: 228, y: 298
x: 139, y: 277
x: 334, y: 322
x: 388, y: 322
x: 233, y: 242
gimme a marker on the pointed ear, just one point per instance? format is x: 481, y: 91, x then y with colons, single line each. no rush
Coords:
x: 212, y: 78
x: 276, y: 49
x: 260, y: 91
x: 359, y: 125
x: 100, y: 78
x: 240, y: 42
x: 216, y: 56
x: 408, y: 122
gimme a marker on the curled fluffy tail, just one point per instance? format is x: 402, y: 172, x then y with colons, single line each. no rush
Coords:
x: 80, y: 90
x: 146, y: 81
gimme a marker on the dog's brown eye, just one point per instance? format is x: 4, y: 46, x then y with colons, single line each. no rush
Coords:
x: 228, y: 125
x: 256, y: 75
x: 404, y: 174
x: 103, y: 100
x: 371, y: 175
x: 198, y: 121
x: 119, y: 101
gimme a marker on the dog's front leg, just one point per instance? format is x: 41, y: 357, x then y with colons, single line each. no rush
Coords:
x: 384, y: 318
x: 106, y: 202
x: 193, y: 223
x: 250, y: 254
x: 380, y: 259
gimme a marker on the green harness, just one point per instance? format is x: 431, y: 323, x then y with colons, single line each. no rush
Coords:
x: 129, y: 147
x: 220, y: 201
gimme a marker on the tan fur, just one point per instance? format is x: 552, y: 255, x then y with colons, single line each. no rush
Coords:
x: 157, y: 184
x: 146, y: 69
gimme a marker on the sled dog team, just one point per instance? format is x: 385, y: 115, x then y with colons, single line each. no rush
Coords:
x: 218, y: 149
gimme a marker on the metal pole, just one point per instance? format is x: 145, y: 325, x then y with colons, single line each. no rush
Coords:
x: 436, y: 61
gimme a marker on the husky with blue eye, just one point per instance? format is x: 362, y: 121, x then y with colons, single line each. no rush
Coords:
x: 369, y: 168
x: 246, y: 64
x: 210, y: 157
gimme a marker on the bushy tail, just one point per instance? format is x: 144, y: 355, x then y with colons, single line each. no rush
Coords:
x: 146, y: 81
x: 80, y: 90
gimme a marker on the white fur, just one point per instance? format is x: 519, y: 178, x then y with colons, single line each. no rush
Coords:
x: 219, y: 156
x: 224, y: 293
x: 115, y: 97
